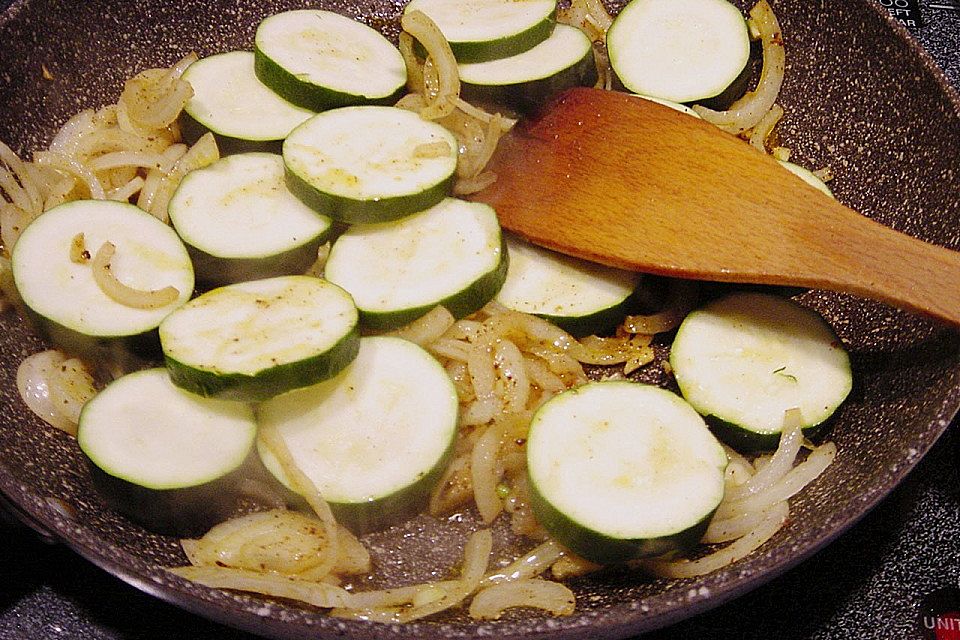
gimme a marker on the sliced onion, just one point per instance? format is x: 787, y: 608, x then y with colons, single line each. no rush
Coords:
x: 119, y: 292
x: 531, y: 564
x: 479, y: 182
x: 124, y: 192
x: 746, y: 112
x: 780, y: 464
x: 572, y: 566
x: 398, y: 596
x: 763, y: 129
x: 73, y: 167
x: 118, y: 159
x: 512, y: 372
x: 170, y: 157
x: 154, y: 98
x: 279, y: 541
x: 425, y: 30
x: 788, y: 486
x: 304, y: 486
x: 71, y: 387
x: 681, y: 299
x: 34, y: 378
x: 318, y: 594
x: 203, y: 153
x: 554, y: 597
x: 428, y: 328
x: 78, y: 250
x: 738, y: 526
x: 742, y: 547
x: 455, y: 487
x: 18, y: 182
x: 485, y: 473
x: 59, y: 192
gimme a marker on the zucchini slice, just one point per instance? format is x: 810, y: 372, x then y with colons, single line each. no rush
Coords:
x: 370, y: 164
x: 481, y: 30
x: 320, y: 60
x: 376, y: 438
x: 679, y: 50
x: 581, y: 297
x: 745, y: 359
x: 86, y: 321
x: 241, y: 112
x: 168, y: 459
x: 621, y: 470
x: 254, y: 340
x: 529, y: 79
x: 240, y: 222
x: 451, y: 255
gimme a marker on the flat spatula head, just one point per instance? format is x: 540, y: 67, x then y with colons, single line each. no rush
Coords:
x: 631, y: 183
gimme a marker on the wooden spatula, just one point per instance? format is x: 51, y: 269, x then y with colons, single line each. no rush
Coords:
x: 633, y: 184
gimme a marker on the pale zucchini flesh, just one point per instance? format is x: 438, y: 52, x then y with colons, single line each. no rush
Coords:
x: 370, y: 164
x: 167, y: 458
x: 253, y: 340
x: 149, y: 256
x: 321, y: 60
x: 481, y: 30
x: 229, y: 101
x: 375, y: 439
x: 746, y: 359
x: 679, y: 50
x: 240, y: 222
x: 621, y: 470
x: 451, y: 255
x: 530, y: 78
x: 581, y: 297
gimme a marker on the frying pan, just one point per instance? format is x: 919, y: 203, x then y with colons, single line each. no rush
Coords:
x: 860, y: 97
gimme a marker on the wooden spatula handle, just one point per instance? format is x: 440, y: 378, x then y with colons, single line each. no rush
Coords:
x: 874, y: 261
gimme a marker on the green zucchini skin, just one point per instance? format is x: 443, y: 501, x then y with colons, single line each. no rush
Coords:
x: 471, y: 52
x: 167, y: 459
x: 350, y: 211
x: 770, y: 333
x: 375, y: 515
x: 185, y: 513
x: 265, y: 384
x: 732, y: 93
x: 505, y: 47
x: 460, y: 304
x: 528, y: 95
x: 315, y: 98
x: 620, y: 470
x: 746, y: 441
x: 602, y: 549
x: 126, y: 351
x: 191, y: 131
x: 397, y: 409
x: 234, y: 359
x: 474, y: 48
x: 402, y: 505
x: 214, y: 271
x: 594, y: 324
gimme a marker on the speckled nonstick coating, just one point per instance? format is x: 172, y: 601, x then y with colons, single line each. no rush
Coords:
x: 860, y: 97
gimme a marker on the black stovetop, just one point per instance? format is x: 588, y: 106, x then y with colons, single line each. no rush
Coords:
x: 871, y: 583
